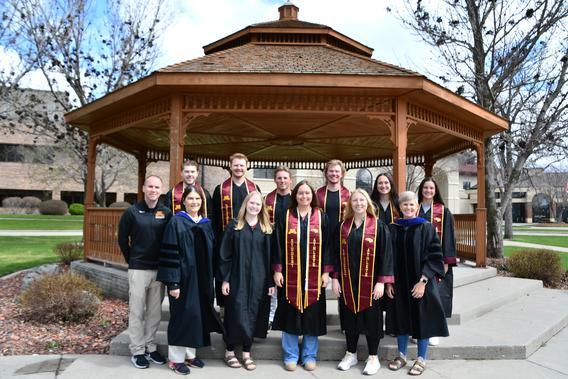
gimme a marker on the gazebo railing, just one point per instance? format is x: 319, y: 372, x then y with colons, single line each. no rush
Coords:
x: 100, y: 234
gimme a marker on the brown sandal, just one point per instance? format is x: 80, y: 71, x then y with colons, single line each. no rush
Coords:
x: 249, y: 364
x: 397, y: 363
x: 417, y: 368
x: 232, y: 361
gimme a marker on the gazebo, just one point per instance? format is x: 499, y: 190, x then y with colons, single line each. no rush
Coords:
x: 285, y: 92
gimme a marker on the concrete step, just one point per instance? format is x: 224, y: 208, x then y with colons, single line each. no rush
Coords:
x: 465, y: 274
x: 512, y: 331
x: 480, y: 297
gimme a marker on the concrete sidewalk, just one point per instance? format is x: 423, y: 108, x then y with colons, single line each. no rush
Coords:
x: 40, y: 233
x: 547, y: 362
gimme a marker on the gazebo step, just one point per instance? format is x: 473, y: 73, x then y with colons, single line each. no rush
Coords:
x: 513, y: 331
x: 465, y: 274
x: 478, y: 298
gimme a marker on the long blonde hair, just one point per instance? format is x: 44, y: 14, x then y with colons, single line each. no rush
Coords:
x: 349, y: 208
x: 263, y: 218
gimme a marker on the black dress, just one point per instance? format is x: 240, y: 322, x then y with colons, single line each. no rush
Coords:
x: 446, y: 286
x: 417, y: 252
x: 245, y: 263
x: 370, y: 321
x: 312, y: 321
x: 185, y: 263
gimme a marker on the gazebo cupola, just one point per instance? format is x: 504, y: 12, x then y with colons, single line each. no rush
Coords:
x: 289, y: 30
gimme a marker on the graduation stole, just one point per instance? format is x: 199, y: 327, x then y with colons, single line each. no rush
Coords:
x: 436, y: 218
x: 366, y: 266
x: 321, y: 195
x: 294, y: 263
x: 270, y: 201
x: 227, y: 199
x: 177, y: 193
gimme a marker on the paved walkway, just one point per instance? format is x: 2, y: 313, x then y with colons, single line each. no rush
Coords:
x: 536, y: 233
x: 547, y: 362
x: 40, y: 233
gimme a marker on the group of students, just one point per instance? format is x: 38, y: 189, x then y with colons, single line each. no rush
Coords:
x: 382, y: 253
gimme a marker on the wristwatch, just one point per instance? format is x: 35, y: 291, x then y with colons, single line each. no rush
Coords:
x: 424, y: 280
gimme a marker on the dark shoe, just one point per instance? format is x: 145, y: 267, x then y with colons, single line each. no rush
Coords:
x: 156, y: 357
x: 140, y: 361
x: 195, y: 362
x: 179, y: 368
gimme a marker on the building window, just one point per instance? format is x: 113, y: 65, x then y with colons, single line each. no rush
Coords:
x: 26, y: 153
x: 263, y: 173
x: 466, y: 185
x: 364, y: 180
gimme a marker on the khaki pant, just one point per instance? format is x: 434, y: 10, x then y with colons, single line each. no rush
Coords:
x: 177, y: 354
x: 145, y: 296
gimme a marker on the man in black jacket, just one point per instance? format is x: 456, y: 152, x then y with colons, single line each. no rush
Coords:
x: 139, y: 236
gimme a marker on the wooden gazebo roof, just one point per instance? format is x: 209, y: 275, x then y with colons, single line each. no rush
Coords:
x: 286, y: 91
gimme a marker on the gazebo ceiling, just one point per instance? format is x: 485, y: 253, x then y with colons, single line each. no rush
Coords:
x: 286, y: 91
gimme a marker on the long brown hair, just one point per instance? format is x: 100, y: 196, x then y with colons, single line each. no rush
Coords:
x: 263, y: 218
x: 294, y: 201
x: 437, y: 195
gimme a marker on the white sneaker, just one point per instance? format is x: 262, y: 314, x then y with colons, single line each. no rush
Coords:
x: 372, y: 366
x: 349, y: 360
x: 412, y: 340
x: 434, y: 341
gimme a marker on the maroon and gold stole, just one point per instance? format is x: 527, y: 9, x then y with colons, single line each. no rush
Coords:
x: 270, y: 201
x: 227, y: 199
x: 437, y: 218
x: 344, y: 194
x: 177, y: 193
x: 293, y: 261
x: 366, y: 267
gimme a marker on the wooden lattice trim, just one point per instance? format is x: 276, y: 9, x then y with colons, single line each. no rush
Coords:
x: 439, y: 120
x: 208, y: 102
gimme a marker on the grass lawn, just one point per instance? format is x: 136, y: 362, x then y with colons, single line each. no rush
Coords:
x: 508, y: 250
x: 18, y: 253
x: 40, y: 222
x: 543, y: 240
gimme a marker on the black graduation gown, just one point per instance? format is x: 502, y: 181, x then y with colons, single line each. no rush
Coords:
x: 244, y: 262
x: 282, y: 203
x: 370, y: 321
x: 239, y: 194
x: 312, y: 321
x: 446, y: 286
x: 185, y: 263
x: 332, y: 208
x: 417, y: 252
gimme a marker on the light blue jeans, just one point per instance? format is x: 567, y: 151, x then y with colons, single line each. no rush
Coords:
x: 422, y: 344
x: 291, y: 350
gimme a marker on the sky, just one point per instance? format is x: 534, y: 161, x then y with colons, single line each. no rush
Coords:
x: 196, y: 23
x: 192, y: 24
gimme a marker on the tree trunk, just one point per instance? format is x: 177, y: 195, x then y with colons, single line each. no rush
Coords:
x: 508, y: 216
x: 494, y: 216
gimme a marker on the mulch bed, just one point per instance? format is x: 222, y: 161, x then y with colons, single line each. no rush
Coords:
x: 18, y: 336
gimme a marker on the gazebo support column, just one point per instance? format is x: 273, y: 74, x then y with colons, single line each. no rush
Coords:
x: 480, y: 211
x: 429, y: 165
x: 177, y: 136
x: 142, y: 163
x: 399, y: 138
x: 90, y: 192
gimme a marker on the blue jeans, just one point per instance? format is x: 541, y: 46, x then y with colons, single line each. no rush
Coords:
x: 402, y: 342
x: 290, y: 347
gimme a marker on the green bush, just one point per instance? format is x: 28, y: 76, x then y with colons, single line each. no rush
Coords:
x: 65, y: 297
x: 120, y: 204
x: 77, y: 209
x: 53, y: 207
x: 69, y: 251
x: 543, y: 265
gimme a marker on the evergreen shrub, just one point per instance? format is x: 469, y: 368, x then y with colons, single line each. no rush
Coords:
x: 53, y: 207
